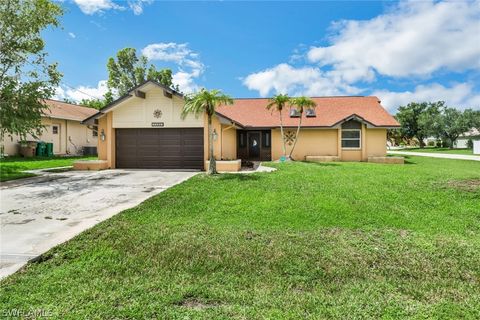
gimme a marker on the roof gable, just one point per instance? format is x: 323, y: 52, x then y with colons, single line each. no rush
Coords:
x: 134, y: 92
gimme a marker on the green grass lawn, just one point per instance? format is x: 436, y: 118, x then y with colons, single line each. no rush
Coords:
x: 440, y: 150
x: 320, y: 241
x: 13, y: 167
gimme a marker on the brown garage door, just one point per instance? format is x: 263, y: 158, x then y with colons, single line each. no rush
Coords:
x: 159, y: 148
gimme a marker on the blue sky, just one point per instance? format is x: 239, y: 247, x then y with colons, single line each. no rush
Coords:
x: 399, y: 51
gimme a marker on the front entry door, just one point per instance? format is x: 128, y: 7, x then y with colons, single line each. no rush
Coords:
x: 254, y: 145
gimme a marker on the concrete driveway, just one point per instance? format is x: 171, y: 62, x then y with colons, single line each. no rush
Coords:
x: 40, y: 213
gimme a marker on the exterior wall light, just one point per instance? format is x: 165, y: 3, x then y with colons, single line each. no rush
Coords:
x: 102, y: 135
x: 215, y: 135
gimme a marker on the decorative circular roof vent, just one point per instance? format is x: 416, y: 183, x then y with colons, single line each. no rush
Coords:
x: 157, y: 113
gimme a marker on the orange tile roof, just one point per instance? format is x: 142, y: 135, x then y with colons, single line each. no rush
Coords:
x: 329, y: 111
x: 63, y: 110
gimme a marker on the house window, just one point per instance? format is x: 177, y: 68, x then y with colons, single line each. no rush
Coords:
x: 266, y: 139
x: 294, y: 113
x: 351, y: 138
x: 55, y: 129
x: 95, y: 128
x: 310, y: 113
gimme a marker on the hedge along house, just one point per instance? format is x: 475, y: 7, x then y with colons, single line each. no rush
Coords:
x: 144, y: 129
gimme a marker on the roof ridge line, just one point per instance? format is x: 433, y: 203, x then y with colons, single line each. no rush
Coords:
x: 352, y: 96
x: 72, y: 104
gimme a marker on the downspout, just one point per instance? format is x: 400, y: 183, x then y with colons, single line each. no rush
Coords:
x: 66, y: 136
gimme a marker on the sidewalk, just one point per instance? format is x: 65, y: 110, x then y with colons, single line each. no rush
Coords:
x: 436, y: 155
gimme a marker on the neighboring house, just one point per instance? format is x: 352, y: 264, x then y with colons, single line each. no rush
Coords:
x: 462, y: 141
x: 62, y: 127
x: 144, y: 129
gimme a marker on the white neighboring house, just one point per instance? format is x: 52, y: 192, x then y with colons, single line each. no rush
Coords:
x: 476, y: 147
x: 63, y: 128
x: 462, y: 141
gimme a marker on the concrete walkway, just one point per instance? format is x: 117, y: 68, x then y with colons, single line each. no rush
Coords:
x: 39, y: 213
x: 436, y: 155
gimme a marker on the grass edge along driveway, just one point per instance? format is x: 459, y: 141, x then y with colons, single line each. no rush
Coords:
x: 12, y: 168
x: 335, y: 240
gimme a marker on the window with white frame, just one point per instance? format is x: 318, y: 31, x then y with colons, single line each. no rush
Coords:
x: 351, y: 138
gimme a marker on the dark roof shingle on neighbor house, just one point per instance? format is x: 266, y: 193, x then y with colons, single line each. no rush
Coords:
x: 329, y: 112
x: 63, y: 110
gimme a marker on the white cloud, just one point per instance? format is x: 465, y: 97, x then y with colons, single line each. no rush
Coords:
x: 97, y: 6
x: 186, y: 81
x: 72, y: 35
x: 460, y: 96
x: 413, y: 38
x: 174, y: 52
x: 82, y: 92
x: 91, y: 7
x: 190, y: 67
x: 284, y: 78
x: 416, y: 38
x: 137, y: 5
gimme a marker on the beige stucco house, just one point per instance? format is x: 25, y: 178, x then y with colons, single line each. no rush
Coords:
x: 144, y: 129
x: 63, y: 127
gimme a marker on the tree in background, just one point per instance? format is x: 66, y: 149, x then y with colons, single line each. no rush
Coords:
x: 130, y: 70
x: 279, y: 102
x: 474, y: 118
x: 93, y: 103
x: 206, y: 102
x: 395, y: 137
x: 301, y: 104
x: 26, y: 78
x: 453, y: 123
x: 419, y: 120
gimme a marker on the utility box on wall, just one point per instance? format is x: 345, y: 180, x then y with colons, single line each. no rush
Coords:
x: 476, y: 147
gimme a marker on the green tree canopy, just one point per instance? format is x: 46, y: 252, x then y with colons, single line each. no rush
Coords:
x: 453, y: 123
x: 419, y: 120
x: 129, y: 70
x: 474, y: 118
x: 93, y: 103
x: 26, y: 78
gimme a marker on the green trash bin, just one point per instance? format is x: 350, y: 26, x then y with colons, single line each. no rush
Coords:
x: 41, y: 149
x: 49, y: 149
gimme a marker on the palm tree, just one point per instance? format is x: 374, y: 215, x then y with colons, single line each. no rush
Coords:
x: 206, y: 101
x: 301, y: 104
x: 279, y: 102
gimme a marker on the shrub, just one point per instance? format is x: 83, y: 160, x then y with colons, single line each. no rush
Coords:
x: 470, y: 143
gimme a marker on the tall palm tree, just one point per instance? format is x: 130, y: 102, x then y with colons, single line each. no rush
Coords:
x: 301, y: 104
x: 279, y: 102
x: 206, y: 101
